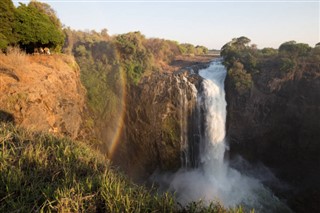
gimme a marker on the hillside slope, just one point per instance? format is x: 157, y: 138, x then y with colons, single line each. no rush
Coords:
x: 43, y: 173
x: 42, y: 92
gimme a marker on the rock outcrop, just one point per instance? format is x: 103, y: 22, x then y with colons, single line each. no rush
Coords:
x: 160, y: 113
x: 277, y: 123
x: 42, y: 93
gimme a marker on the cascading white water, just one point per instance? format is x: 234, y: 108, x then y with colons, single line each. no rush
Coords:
x: 214, y: 180
x: 213, y: 102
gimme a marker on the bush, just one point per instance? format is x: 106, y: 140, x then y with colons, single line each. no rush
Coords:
x: 287, y: 64
x: 135, y: 59
x: 36, y: 29
x: 7, y: 17
x: 293, y: 49
x: 240, y: 78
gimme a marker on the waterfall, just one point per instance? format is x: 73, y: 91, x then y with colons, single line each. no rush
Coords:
x: 213, y: 103
x: 212, y: 179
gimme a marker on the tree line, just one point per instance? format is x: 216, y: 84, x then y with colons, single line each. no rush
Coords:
x: 245, y: 62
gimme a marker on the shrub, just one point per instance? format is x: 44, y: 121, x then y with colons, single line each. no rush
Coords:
x: 240, y: 78
x: 36, y: 29
x: 135, y: 59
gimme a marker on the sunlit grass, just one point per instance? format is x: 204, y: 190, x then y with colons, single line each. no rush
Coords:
x: 43, y: 173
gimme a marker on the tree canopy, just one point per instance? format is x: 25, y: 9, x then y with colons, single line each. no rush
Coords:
x: 294, y: 49
x: 133, y: 54
x: 47, y: 10
x: 30, y: 26
x: 35, y: 29
x: 7, y: 15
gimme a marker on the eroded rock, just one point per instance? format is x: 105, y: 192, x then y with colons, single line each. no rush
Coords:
x: 48, y: 96
x: 160, y: 114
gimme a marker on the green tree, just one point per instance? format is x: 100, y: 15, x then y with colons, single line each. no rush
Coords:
x: 7, y: 16
x: 294, y: 49
x: 240, y: 78
x: 200, y: 50
x: 36, y: 29
x: 187, y: 48
x: 47, y: 10
x: 135, y: 58
x: 239, y: 50
x: 269, y: 51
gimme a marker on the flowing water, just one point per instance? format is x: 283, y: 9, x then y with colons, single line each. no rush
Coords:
x: 214, y: 179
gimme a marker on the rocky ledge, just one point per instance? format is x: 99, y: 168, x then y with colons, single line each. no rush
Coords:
x: 160, y: 127
x: 42, y: 93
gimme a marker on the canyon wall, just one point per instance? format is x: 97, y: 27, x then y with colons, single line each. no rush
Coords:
x: 276, y: 122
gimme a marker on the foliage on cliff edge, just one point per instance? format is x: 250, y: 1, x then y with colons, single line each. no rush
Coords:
x: 246, y: 64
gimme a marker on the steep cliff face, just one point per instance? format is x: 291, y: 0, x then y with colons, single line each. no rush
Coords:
x: 42, y: 93
x: 277, y: 122
x: 160, y: 112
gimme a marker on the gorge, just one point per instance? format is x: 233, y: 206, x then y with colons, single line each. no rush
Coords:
x: 181, y: 128
x: 182, y: 146
x: 211, y: 178
x: 133, y: 122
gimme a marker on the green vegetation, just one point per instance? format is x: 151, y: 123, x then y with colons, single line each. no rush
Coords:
x: 34, y: 29
x: 240, y: 60
x: 43, y: 173
x: 192, y: 50
x: 241, y: 79
x: 29, y: 26
x: 245, y: 62
x: 7, y: 14
x: 293, y: 49
x: 171, y: 129
x: 135, y: 58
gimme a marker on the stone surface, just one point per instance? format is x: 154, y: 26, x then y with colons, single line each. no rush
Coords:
x: 45, y: 94
x: 160, y: 111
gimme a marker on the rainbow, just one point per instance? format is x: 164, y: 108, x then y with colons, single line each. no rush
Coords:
x: 120, y: 119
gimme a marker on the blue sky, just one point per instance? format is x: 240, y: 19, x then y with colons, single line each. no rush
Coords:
x: 209, y: 23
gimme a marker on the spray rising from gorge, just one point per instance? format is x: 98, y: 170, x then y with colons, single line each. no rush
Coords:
x: 213, y: 179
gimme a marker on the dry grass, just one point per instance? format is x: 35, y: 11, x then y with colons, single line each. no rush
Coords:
x: 15, y: 57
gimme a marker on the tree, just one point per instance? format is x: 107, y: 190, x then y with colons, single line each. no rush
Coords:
x: 135, y: 58
x: 294, y: 49
x: 47, y: 10
x: 200, y: 50
x: 242, y: 41
x: 269, y: 51
x: 7, y: 16
x: 36, y: 29
x: 187, y: 48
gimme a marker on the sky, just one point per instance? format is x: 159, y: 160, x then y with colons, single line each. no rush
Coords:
x: 212, y: 23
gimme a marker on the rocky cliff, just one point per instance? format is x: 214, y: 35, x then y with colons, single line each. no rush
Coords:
x: 277, y: 122
x: 41, y: 93
x: 161, y: 112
